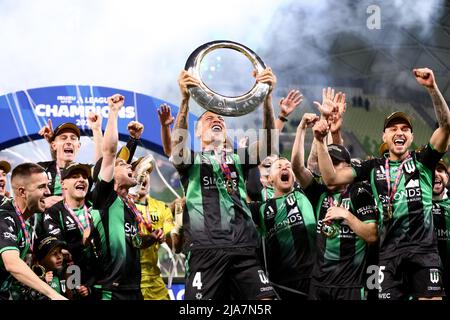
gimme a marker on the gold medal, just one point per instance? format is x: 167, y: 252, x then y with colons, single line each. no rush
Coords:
x: 86, y: 235
x: 330, y: 230
x: 136, y: 240
x: 387, y: 212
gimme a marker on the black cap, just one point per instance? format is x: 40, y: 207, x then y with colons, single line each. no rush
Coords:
x: 339, y: 153
x: 123, y: 154
x: 442, y: 164
x: 5, y: 166
x: 76, y: 167
x: 66, y: 125
x: 43, y: 246
x: 398, y: 115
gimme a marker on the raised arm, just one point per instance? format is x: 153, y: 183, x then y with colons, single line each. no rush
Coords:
x: 287, y: 106
x: 180, y: 148
x: 111, y: 138
x: 303, y: 175
x: 47, y: 133
x: 95, y: 123
x: 165, y: 119
x: 329, y: 175
x: 440, y: 138
x: 332, y: 109
x: 337, y: 119
x: 135, y: 130
x: 266, y: 76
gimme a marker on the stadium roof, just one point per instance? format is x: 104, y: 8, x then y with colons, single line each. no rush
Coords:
x: 347, y: 53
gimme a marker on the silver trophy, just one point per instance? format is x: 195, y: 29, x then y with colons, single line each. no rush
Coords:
x: 144, y: 167
x: 213, y: 101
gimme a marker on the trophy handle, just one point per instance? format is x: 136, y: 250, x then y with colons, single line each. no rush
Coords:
x: 215, y: 102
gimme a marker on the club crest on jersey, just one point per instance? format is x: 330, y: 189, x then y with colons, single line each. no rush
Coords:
x: 346, y: 203
x: 434, y: 275
x: 409, y: 166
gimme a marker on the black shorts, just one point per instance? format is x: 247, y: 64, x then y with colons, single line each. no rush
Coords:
x: 328, y: 293
x: 410, y: 275
x: 226, y: 274
x: 296, y: 290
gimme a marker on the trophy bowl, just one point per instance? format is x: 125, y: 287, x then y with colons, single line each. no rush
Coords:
x: 215, y: 102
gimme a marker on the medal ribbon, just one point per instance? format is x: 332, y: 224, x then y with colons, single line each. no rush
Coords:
x: 223, y: 165
x: 341, y: 196
x: 225, y: 168
x: 137, y: 214
x: 391, y: 193
x: 24, y: 227
x: 87, y: 217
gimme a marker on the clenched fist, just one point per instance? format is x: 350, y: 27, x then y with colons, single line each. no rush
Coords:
x: 94, y: 121
x: 116, y: 102
x: 425, y: 77
x: 135, y: 129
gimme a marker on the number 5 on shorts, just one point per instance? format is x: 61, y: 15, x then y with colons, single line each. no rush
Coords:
x: 197, y: 282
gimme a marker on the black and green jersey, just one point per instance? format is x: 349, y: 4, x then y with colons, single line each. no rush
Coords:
x: 11, y: 238
x: 441, y: 217
x: 288, y: 225
x: 213, y: 217
x: 58, y: 222
x: 54, y: 181
x: 118, y: 261
x: 255, y: 189
x: 411, y: 227
x: 341, y: 259
x: 267, y: 193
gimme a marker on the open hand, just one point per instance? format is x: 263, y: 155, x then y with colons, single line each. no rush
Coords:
x: 288, y: 104
x: 165, y: 115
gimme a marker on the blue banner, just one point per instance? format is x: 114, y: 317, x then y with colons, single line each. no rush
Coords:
x: 24, y: 113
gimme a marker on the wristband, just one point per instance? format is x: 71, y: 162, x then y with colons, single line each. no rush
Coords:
x: 282, y: 118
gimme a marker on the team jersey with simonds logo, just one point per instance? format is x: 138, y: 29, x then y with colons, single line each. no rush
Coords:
x: 216, y: 214
x: 11, y: 238
x: 341, y: 257
x: 410, y: 229
x: 441, y: 217
x: 288, y: 225
x: 115, y: 235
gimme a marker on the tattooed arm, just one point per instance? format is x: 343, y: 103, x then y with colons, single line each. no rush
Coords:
x: 440, y: 138
x: 180, y: 149
x: 266, y: 76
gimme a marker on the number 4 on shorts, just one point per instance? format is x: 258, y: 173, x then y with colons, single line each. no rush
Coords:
x: 197, y: 282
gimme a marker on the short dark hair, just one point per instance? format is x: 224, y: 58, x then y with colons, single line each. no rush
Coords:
x: 25, y: 170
